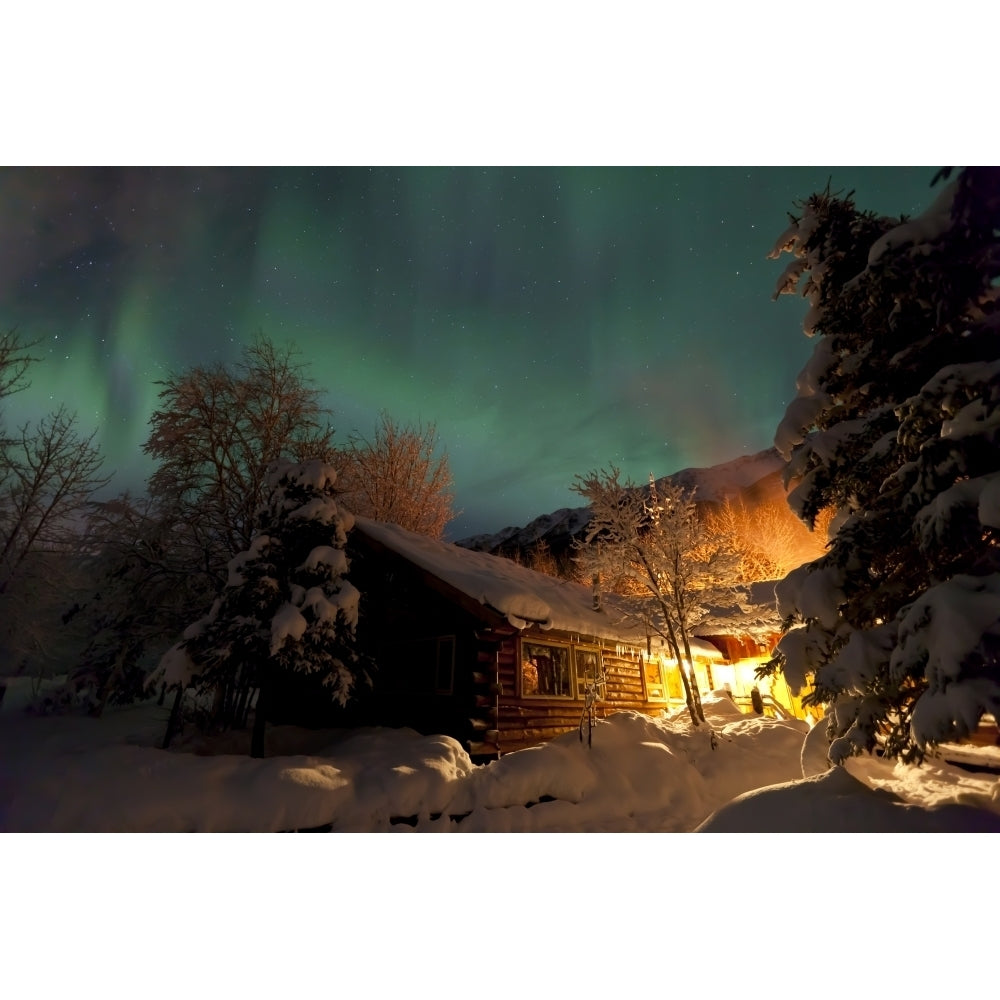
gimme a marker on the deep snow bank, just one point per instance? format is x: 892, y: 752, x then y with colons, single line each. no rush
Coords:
x: 641, y: 774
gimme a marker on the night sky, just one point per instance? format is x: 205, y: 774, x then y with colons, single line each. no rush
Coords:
x: 549, y: 320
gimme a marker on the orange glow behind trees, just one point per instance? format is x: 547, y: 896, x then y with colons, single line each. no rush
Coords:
x: 769, y: 539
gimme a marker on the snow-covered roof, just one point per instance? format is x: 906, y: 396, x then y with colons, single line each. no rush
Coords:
x: 524, y: 596
x: 755, y: 614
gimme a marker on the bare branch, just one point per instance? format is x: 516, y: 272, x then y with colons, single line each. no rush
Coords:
x: 15, y: 360
x: 215, y: 432
x: 651, y: 547
x: 398, y: 477
x: 47, y: 478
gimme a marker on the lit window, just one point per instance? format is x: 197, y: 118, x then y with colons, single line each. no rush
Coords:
x: 589, y: 671
x: 545, y: 671
x: 675, y: 686
x: 656, y: 683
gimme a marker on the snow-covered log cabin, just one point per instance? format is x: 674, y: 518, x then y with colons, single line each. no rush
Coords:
x: 495, y: 654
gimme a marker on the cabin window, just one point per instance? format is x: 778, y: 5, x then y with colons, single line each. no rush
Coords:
x: 545, y: 670
x: 589, y: 671
x: 675, y: 686
x: 656, y: 682
x: 429, y: 665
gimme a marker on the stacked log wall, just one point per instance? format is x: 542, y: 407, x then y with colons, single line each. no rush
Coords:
x: 527, y: 721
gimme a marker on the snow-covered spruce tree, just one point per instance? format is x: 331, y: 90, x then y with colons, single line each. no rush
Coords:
x: 897, y: 425
x: 287, y: 611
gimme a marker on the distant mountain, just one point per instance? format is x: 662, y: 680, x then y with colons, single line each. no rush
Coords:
x: 731, y: 479
x: 755, y: 479
x: 558, y: 529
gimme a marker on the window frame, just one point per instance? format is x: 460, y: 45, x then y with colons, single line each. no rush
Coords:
x: 577, y: 678
x: 572, y: 649
x: 424, y: 653
x: 549, y: 644
x: 440, y: 641
x: 661, y: 667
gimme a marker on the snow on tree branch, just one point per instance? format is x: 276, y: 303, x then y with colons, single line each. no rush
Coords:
x: 897, y: 426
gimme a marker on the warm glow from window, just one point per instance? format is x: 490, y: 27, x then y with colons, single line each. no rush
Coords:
x: 545, y: 671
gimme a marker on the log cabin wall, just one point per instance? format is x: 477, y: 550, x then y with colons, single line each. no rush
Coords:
x: 526, y: 719
x: 410, y: 621
x: 449, y: 664
x: 424, y: 645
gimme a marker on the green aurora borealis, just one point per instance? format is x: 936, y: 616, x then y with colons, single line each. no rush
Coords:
x: 549, y: 320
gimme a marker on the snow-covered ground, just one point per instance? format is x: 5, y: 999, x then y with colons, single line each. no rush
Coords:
x: 73, y: 774
x: 532, y: 916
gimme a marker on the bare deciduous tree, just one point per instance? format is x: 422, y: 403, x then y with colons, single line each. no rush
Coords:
x: 156, y: 561
x: 769, y: 539
x: 397, y: 476
x: 213, y: 435
x: 48, y: 474
x: 15, y: 360
x: 541, y: 559
x: 140, y: 592
x: 655, y: 549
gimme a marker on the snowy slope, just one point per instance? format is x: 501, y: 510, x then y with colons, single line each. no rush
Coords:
x: 566, y: 523
x: 729, y: 479
x: 839, y: 801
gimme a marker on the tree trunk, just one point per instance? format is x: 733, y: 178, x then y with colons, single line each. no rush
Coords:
x: 219, y: 704
x: 243, y: 704
x: 105, y: 693
x: 694, y: 685
x: 260, y: 715
x: 173, y: 722
x: 690, y: 696
x: 695, y: 693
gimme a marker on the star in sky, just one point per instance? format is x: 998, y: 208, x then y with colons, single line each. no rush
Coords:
x: 548, y: 320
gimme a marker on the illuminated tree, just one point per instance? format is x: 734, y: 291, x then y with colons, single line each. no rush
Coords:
x: 398, y: 477
x: 653, y: 548
x: 768, y: 538
x: 541, y: 559
x: 897, y: 426
x: 212, y: 437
